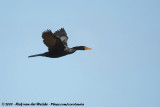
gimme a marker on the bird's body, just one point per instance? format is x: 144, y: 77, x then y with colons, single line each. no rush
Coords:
x: 57, y: 44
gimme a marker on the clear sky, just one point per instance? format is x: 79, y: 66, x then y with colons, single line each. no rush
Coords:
x: 122, y: 70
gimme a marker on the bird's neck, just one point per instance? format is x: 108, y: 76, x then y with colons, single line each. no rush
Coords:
x: 72, y: 50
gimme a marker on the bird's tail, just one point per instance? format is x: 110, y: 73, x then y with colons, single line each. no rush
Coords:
x: 36, y: 55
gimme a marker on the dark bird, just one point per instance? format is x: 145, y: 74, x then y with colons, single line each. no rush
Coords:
x: 57, y: 44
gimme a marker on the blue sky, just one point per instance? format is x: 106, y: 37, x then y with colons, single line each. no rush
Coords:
x: 122, y: 70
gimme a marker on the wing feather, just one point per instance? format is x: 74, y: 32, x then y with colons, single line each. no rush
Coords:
x: 62, y: 35
x: 51, y: 41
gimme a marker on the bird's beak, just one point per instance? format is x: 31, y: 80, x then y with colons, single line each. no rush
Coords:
x: 86, y: 48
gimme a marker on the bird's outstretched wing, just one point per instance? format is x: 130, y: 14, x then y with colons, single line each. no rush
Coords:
x: 62, y: 35
x: 52, y: 41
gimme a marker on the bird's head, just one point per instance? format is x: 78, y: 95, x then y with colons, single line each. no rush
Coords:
x: 81, y: 48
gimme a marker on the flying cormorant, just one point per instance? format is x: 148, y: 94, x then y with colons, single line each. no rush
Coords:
x: 57, y: 44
